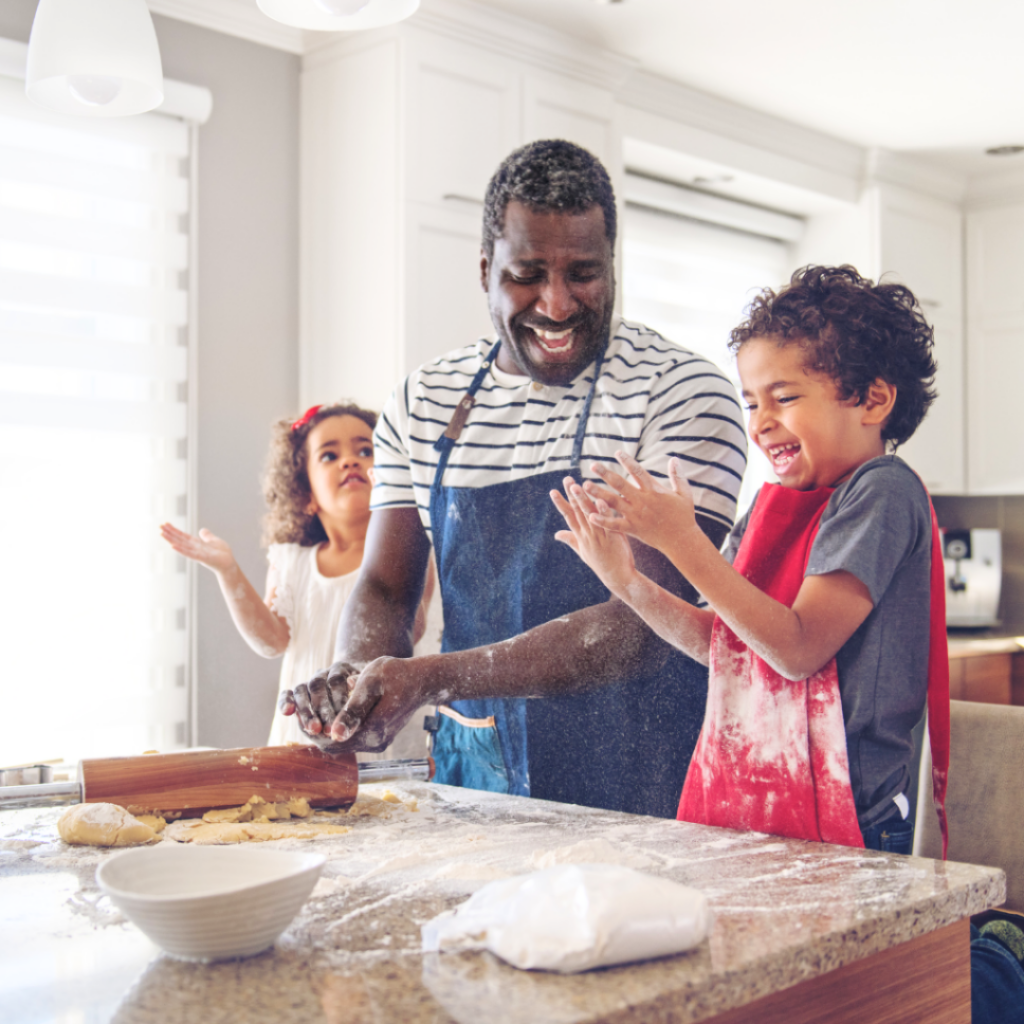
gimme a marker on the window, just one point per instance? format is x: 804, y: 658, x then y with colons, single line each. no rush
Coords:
x: 94, y: 440
x: 691, y: 265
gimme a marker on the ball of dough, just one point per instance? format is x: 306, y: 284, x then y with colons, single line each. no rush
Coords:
x: 102, y: 825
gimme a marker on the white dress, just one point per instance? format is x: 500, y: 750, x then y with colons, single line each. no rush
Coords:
x: 311, y: 604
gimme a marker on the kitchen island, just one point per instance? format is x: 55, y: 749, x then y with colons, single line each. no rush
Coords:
x: 802, y: 931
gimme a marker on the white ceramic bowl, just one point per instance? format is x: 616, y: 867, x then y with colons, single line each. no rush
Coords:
x: 209, y: 902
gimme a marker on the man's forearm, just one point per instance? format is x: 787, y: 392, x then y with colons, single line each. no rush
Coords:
x: 582, y: 651
x: 372, y: 626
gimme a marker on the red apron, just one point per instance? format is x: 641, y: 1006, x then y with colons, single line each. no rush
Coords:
x: 772, y: 752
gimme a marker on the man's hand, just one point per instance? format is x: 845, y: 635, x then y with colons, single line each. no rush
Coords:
x: 384, y: 697
x: 317, y: 703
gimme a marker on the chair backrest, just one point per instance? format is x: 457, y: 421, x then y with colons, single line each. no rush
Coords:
x: 985, y: 795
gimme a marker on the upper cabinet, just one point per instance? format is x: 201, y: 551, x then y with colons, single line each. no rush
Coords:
x: 920, y: 244
x: 401, y: 133
x: 900, y: 235
x: 461, y: 115
x: 995, y: 332
x: 555, y: 107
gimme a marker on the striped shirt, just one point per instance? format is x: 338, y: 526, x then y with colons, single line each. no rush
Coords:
x: 654, y: 400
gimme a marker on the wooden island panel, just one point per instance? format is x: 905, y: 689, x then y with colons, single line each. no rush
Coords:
x: 924, y: 981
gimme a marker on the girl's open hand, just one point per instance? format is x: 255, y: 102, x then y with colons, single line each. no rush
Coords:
x: 656, y: 514
x: 608, y: 554
x: 207, y: 549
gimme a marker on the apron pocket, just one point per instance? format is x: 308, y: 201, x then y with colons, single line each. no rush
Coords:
x: 466, y: 752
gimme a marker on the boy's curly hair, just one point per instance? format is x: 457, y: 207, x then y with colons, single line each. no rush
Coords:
x: 286, y: 481
x: 550, y: 174
x: 854, y: 332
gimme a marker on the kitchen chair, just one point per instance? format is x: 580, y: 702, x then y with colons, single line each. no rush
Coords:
x: 985, y: 796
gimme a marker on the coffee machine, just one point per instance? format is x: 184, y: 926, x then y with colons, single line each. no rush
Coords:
x: 974, y: 572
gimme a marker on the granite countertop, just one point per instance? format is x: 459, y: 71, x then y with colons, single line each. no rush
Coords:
x: 785, y: 911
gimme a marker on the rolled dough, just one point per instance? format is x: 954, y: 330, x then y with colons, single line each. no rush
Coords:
x: 258, y: 821
x: 257, y: 809
x: 220, y: 833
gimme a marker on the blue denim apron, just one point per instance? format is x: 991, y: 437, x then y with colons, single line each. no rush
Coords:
x: 624, y: 747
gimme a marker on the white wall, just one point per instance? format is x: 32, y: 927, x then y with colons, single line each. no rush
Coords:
x: 247, y: 328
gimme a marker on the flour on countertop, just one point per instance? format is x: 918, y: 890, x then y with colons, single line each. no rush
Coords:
x: 329, y: 887
x: 466, y: 871
x: 590, y: 851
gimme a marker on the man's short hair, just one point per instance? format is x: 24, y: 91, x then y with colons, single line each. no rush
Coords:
x: 548, y: 175
x: 854, y: 332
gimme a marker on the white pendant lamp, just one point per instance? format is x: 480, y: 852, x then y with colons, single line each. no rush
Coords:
x: 337, y: 15
x: 99, y: 58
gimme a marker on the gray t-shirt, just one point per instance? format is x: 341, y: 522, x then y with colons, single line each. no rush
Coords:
x: 878, y: 526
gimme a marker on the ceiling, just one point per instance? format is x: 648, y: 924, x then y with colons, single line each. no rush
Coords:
x: 943, y: 78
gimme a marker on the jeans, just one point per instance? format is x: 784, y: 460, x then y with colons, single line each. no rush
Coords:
x: 894, y: 834
x: 997, y: 982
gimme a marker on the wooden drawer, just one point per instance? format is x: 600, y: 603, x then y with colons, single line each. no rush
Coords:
x: 986, y: 678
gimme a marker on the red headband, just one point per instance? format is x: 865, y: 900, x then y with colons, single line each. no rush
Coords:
x: 306, y: 416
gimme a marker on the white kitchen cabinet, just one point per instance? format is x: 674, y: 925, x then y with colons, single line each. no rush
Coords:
x: 895, y: 234
x: 920, y: 244
x: 995, y: 331
x: 460, y: 116
x: 350, y: 228
x: 445, y: 304
x: 401, y: 131
x: 559, y: 108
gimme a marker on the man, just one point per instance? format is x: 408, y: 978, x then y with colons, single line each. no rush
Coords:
x: 467, y: 452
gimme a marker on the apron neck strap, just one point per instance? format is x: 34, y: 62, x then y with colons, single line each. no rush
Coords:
x: 581, y: 427
x: 446, y: 442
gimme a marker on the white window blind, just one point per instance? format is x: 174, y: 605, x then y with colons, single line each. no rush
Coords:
x: 691, y: 281
x: 94, y: 356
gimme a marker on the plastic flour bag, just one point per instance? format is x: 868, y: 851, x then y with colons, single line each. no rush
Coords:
x: 575, y: 917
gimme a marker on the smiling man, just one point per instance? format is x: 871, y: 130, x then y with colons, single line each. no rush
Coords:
x: 546, y: 686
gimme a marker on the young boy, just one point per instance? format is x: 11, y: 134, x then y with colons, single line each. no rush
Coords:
x: 826, y: 612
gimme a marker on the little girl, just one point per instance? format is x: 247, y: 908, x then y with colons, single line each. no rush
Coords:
x: 317, y: 487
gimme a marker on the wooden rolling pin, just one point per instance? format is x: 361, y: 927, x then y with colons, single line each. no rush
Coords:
x: 191, y: 782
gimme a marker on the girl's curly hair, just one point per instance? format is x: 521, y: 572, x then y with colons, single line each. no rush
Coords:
x: 286, y: 482
x: 854, y: 332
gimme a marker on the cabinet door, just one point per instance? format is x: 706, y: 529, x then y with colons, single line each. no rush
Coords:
x: 445, y: 305
x: 350, y: 228
x: 995, y: 332
x: 559, y: 108
x: 920, y: 246
x: 462, y: 117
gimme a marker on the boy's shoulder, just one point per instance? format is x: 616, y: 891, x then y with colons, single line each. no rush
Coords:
x: 877, y: 525
x: 882, y: 479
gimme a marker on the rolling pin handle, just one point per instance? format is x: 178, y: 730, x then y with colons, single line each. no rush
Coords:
x: 386, y: 771
x: 45, y: 794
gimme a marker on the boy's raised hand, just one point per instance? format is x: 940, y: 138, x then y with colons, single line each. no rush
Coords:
x: 207, y: 549
x: 608, y: 554
x: 642, y: 506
